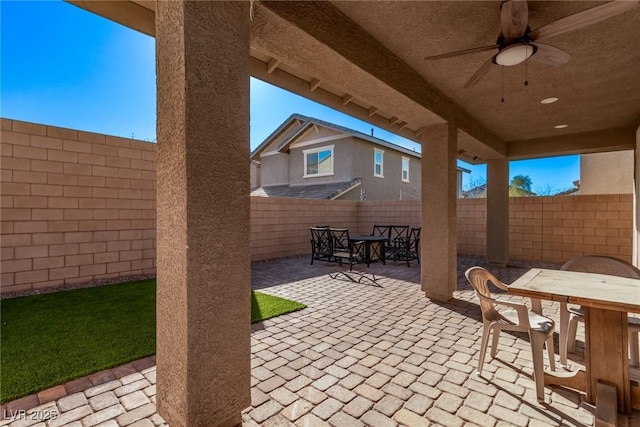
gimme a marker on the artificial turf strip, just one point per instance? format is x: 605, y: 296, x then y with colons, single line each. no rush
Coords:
x: 265, y: 306
x: 53, y: 338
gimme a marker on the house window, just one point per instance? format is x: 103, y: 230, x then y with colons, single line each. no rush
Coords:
x: 318, y: 161
x: 378, y: 163
x: 405, y: 169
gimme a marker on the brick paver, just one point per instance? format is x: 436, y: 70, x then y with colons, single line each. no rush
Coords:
x: 358, y: 355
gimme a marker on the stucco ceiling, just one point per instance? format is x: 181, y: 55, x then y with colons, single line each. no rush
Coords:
x: 366, y: 58
x: 599, y: 88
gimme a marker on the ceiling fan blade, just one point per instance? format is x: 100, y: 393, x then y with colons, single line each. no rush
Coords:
x: 514, y: 15
x: 480, y: 73
x: 462, y: 52
x: 583, y: 19
x: 550, y: 55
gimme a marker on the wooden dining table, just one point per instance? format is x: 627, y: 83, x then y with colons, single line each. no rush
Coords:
x: 606, y: 301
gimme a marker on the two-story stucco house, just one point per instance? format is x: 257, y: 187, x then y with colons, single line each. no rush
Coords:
x: 307, y: 157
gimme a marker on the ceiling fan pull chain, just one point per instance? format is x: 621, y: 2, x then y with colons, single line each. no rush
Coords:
x: 526, y: 72
x: 502, y: 85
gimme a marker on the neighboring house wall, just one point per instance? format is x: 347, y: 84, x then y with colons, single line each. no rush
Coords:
x: 391, y: 186
x: 254, y: 175
x: 352, y: 158
x: 76, y: 206
x: 274, y: 169
x: 343, y: 152
x: 606, y: 173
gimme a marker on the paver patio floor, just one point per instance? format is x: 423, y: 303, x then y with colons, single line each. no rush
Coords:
x: 358, y: 355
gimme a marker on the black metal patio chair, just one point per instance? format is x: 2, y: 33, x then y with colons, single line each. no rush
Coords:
x: 396, y: 233
x: 321, y: 244
x: 381, y: 230
x: 344, y: 249
x: 350, y: 251
x: 408, y: 248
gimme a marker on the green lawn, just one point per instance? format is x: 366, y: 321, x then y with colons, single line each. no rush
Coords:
x: 53, y: 338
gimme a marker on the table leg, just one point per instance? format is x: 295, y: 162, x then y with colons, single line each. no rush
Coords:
x: 564, y: 326
x: 606, y: 344
x: 367, y: 252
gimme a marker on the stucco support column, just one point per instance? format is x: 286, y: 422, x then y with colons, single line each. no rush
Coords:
x: 203, y: 296
x: 636, y: 202
x: 498, y: 212
x: 438, y: 260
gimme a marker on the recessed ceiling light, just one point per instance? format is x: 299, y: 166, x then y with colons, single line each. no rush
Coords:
x: 549, y: 100
x: 560, y: 126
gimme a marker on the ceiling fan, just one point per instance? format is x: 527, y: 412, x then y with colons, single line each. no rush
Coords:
x: 516, y: 42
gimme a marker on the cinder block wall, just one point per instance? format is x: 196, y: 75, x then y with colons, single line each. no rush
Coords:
x: 472, y: 226
x: 541, y: 228
x: 559, y: 228
x: 554, y: 228
x: 280, y: 226
x: 76, y: 206
x: 388, y: 212
x: 79, y: 206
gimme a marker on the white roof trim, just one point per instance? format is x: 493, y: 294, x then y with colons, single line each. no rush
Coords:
x: 357, y: 184
x: 318, y: 140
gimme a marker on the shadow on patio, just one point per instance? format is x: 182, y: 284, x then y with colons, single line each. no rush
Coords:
x: 363, y: 355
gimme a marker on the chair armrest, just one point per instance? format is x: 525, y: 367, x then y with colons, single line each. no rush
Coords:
x: 521, y: 309
x: 498, y: 284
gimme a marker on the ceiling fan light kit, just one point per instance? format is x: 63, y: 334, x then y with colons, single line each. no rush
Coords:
x: 514, y: 54
x: 517, y: 42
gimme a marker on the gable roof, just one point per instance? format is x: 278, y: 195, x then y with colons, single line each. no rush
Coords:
x: 305, y: 123
x: 309, y: 191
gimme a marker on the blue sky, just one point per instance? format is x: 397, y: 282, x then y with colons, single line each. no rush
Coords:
x: 66, y: 67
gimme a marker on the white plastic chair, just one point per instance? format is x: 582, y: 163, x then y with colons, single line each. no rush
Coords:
x: 570, y: 316
x: 517, y: 317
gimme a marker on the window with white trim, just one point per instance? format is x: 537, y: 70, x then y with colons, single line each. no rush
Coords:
x: 405, y: 169
x: 318, y: 161
x: 378, y: 163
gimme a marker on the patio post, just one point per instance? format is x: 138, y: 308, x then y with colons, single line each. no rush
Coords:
x: 203, y: 296
x: 636, y: 202
x: 498, y: 212
x: 438, y: 243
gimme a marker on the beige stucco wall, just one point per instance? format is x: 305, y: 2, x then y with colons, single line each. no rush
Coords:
x: 606, y: 173
x: 342, y: 162
x: 391, y: 186
x: 274, y: 169
x: 254, y: 175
